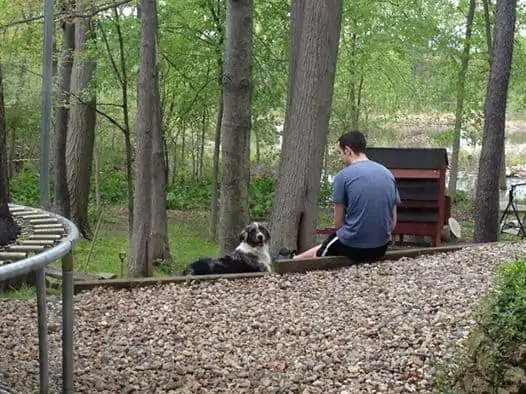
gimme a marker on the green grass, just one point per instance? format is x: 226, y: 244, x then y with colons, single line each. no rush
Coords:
x: 187, y: 234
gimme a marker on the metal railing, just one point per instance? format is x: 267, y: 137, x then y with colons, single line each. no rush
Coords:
x: 37, y: 264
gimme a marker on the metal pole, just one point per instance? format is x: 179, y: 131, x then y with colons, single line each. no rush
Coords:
x: 43, y: 347
x: 67, y: 323
x: 47, y: 87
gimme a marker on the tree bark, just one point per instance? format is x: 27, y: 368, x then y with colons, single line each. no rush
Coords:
x: 81, y: 127
x: 159, y: 246
x: 487, y: 198
x: 313, y: 55
x: 62, y: 203
x: 214, y: 209
x: 235, y: 144
x: 9, y: 229
x: 459, y: 112
x: 140, y: 264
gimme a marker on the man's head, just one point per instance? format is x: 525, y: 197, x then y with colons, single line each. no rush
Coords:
x: 351, y: 147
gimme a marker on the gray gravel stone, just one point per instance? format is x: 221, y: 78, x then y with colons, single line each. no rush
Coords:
x: 378, y: 328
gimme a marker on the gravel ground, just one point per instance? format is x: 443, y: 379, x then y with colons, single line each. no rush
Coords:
x: 376, y: 328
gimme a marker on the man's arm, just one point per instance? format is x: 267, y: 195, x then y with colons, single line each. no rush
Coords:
x: 393, y: 225
x: 339, y: 199
x: 339, y: 215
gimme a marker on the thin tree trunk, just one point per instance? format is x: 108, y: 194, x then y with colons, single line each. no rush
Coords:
x: 9, y: 229
x: 214, y: 209
x: 11, y: 134
x: 62, y: 202
x: 81, y: 126
x: 235, y: 142
x: 159, y: 246
x: 459, y: 112
x: 126, y: 117
x: 487, y: 198
x: 140, y: 264
x: 96, y: 160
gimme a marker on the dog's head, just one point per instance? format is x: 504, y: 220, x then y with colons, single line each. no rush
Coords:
x: 255, y: 235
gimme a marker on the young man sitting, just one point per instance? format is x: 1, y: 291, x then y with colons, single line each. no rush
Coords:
x: 365, y: 196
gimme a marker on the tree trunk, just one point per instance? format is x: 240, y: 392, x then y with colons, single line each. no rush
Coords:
x: 62, y: 203
x: 461, y: 82
x: 487, y: 199
x: 159, y: 247
x: 214, y: 209
x: 487, y: 24
x: 311, y: 80
x: 81, y: 127
x: 126, y: 117
x: 140, y: 264
x: 9, y: 229
x: 235, y: 145
x: 11, y: 135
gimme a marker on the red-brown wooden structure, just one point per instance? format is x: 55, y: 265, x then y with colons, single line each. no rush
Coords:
x: 421, y: 176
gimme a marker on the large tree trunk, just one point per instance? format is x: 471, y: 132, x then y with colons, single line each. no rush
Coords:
x: 140, y: 264
x: 487, y: 199
x: 81, y: 128
x: 235, y: 142
x: 461, y: 82
x: 9, y: 230
x: 313, y: 55
x: 62, y: 203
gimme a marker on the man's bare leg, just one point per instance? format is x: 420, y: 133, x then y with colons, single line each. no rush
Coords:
x: 308, y: 254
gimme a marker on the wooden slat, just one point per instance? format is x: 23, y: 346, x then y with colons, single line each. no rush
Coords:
x: 48, y: 231
x: 12, y: 256
x: 34, y: 216
x: 415, y: 174
x: 55, y: 237
x: 48, y: 226
x: 17, y: 209
x: 43, y: 220
x: 43, y: 242
x: 26, y: 248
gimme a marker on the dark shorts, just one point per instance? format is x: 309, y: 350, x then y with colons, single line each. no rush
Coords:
x: 333, y: 247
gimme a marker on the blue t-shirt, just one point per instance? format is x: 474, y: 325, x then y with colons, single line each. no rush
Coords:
x: 369, y: 192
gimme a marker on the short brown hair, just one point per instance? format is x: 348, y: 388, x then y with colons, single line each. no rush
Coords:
x: 354, y: 140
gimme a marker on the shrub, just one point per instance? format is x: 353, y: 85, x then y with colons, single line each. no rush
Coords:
x: 494, y: 356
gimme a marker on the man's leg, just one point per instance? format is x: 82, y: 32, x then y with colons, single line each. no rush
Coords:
x: 308, y: 254
x: 318, y: 250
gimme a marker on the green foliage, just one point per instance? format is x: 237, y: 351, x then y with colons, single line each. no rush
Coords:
x: 261, y: 196
x: 189, y: 196
x: 496, y: 345
x: 25, y: 189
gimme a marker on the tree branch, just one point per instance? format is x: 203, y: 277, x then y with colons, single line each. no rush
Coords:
x: 57, y: 15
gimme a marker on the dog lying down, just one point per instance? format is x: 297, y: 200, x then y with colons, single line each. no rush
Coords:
x: 251, y: 255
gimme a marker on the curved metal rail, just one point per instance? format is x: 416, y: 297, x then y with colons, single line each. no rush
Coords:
x: 52, y: 237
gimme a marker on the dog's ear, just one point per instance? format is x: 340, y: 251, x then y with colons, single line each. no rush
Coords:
x: 243, y: 236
